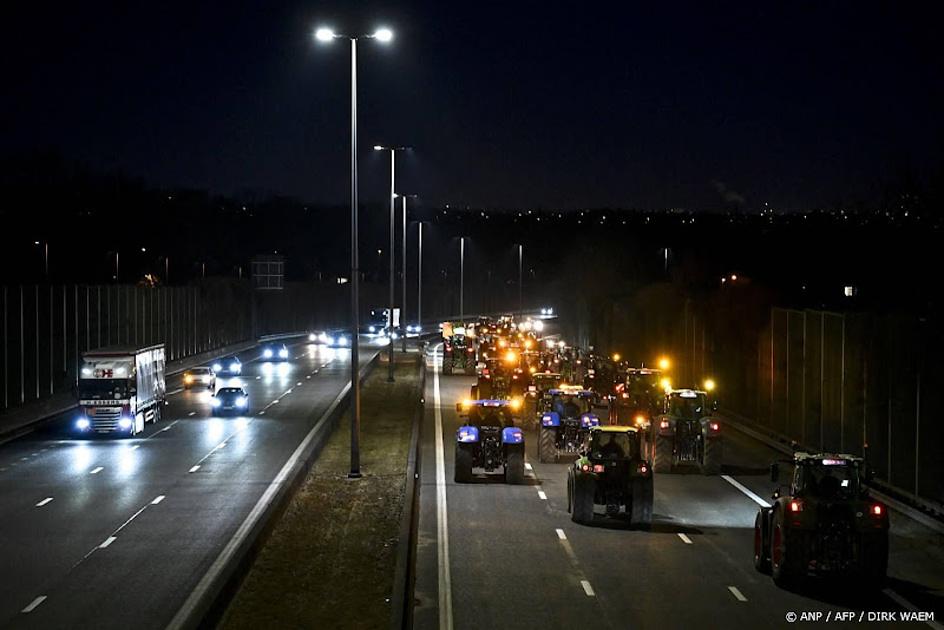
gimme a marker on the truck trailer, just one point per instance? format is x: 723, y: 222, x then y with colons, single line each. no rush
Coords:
x: 120, y: 389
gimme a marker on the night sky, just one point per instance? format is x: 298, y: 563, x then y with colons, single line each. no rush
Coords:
x: 507, y: 104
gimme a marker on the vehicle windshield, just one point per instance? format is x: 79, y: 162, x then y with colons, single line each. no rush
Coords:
x: 613, y: 445
x: 490, y: 417
x: 568, y: 406
x: 691, y: 408
x: 200, y: 370
x: 103, y: 388
x: 830, y: 481
x: 230, y: 391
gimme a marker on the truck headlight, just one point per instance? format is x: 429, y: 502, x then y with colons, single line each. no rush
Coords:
x: 124, y: 423
x: 82, y: 423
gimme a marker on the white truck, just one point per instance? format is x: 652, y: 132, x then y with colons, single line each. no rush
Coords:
x: 120, y: 389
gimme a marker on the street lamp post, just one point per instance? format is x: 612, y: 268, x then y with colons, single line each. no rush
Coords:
x: 403, y: 322
x: 419, y: 279
x: 393, y: 198
x: 520, y: 258
x: 382, y: 35
x: 462, y: 280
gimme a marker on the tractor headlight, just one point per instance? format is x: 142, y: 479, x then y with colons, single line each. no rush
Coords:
x: 124, y: 423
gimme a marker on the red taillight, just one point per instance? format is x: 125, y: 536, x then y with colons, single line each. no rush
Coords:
x: 664, y: 424
x: 714, y: 426
x: 598, y: 468
x: 877, y: 510
x: 585, y: 468
x: 796, y: 506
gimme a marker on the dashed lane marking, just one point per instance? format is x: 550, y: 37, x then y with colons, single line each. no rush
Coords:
x: 541, y: 495
x: 194, y: 469
x: 685, y: 539
x: 96, y: 470
x: 561, y: 534
x: 158, y: 499
x: 587, y: 588
x: 738, y: 595
x: 108, y: 541
x: 45, y: 501
x: 34, y: 604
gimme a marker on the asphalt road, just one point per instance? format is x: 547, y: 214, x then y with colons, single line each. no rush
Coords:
x: 492, y: 555
x: 115, y: 533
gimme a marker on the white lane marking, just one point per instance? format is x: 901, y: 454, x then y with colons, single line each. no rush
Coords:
x: 685, y: 539
x: 738, y: 595
x: 298, y: 384
x: 33, y: 604
x: 192, y: 413
x: 541, y: 495
x: 274, y: 402
x: 747, y: 492
x: 195, y: 468
x: 258, y: 378
x: 221, y: 445
x: 97, y: 470
x: 587, y: 588
x: 262, y: 413
x: 904, y: 603
x: 442, y: 522
x: 135, y: 447
x: 44, y: 502
x: 527, y: 466
x: 107, y: 542
x: 287, y: 392
x: 561, y: 534
x: 308, y: 377
x: 175, y: 392
x: 158, y: 499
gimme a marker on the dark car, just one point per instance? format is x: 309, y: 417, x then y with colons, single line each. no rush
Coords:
x: 228, y: 365
x: 230, y: 400
x: 275, y: 352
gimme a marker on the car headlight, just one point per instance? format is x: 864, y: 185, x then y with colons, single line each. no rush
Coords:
x: 206, y: 378
x: 235, y: 367
x: 342, y: 341
x: 330, y: 341
x: 217, y: 367
x: 393, y: 335
x: 312, y: 337
x: 242, y: 402
x: 82, y: 423
x: 323, y: 338
x: 371, y: 329
x: 125, y: 423
x: 283, y: 353
x: 267, y: 353
x: 216, y: 402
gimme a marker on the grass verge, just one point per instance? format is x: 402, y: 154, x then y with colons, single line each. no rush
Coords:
x: 329, y: 562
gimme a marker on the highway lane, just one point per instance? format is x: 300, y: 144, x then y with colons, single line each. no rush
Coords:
x: 515, y: 560
x: 133, y: 524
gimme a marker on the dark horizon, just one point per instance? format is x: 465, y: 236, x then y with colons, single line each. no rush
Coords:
x: 681, y: 107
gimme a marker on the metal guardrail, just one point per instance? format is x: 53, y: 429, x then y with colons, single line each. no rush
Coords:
x: 401, y: 613
x: 929, y: 518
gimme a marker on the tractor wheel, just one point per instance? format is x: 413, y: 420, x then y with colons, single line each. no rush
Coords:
x: 711, y: 458
x: 582, y: 511
x: 547, y: 447
x: 781, y: 554
x: 514, y: 466
x: 761, y: 552
x: 463, y: 473
x: 447, y: 366
x: 662, y: 459
x: 641, y: 514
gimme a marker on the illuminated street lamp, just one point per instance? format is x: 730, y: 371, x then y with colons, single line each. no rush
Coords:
x: 326, y: 35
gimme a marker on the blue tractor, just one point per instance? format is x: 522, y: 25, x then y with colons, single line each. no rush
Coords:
x: 566, y: 415
x: 488, y: 439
